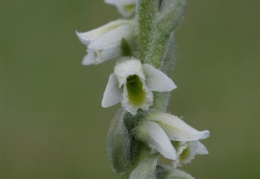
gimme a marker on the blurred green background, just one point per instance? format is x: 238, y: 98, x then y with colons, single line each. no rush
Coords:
x: 52, y: 125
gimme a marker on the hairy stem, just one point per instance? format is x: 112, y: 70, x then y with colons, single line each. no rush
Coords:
x: 166, y: 21
x: 146, y: 11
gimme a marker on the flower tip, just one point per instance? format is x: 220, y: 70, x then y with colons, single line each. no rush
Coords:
x: 81, y: 38
x: 172, y: 86
x: 104, y: 104
x: 79, y: 34
x: 205, y: 134
x: 112, y: 94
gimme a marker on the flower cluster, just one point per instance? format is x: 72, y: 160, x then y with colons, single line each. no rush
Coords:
x: 134, y: 83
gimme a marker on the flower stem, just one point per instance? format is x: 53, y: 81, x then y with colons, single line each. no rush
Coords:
x: 165, y: 22
x: 146, y: 11
x: 161, y: 100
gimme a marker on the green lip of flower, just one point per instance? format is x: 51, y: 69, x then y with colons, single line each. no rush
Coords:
x: 136, y: 93
x: 132, y: 83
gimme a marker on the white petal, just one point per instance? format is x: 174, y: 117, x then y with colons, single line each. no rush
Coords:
x: 192, y: 149
x: 113, y: 37
x: 86, y: 37
x: 153, y: 135
x: 112, y: 94
x: 157, y: 80
x: 111, y: 53
x: 127, y: 67
x: 90, y: 58
x: 99, y: 56
x: 200, y: 148
x: 177, y: 129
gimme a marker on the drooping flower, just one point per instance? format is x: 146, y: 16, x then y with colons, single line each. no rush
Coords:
x: 172, y: 137
x: 132, y: 83
x: 186, y: 151
x: 125, y: 7
x: 104, y: 43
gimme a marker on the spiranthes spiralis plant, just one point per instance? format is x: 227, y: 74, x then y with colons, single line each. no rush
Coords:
x: 143, y: 46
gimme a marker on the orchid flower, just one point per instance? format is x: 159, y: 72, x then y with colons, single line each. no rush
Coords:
x: 104, y: 43
x: 172, y: 137
x: 125, y: 7
x: 186, y: 151
x: 132, y: 83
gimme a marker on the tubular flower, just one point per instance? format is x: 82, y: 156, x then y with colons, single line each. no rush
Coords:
x: 125, y: 7
x: 172, y: 137
x: 132, y: 83
x: 186, y: 151
x: 104, y: 43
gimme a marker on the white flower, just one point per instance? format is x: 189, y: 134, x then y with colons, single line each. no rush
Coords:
x: 104, y: 43
x: 132, y: 83
x: 125, y: 7
x: 171, y: 137
x: 186, y: 151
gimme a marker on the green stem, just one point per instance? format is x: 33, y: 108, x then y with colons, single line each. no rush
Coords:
x: 169, y: 57
x: 146, y: 11
x: 161, y: 100
x: 166, y: 21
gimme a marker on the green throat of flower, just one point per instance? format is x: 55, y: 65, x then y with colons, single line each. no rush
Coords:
x: 136, y: 93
